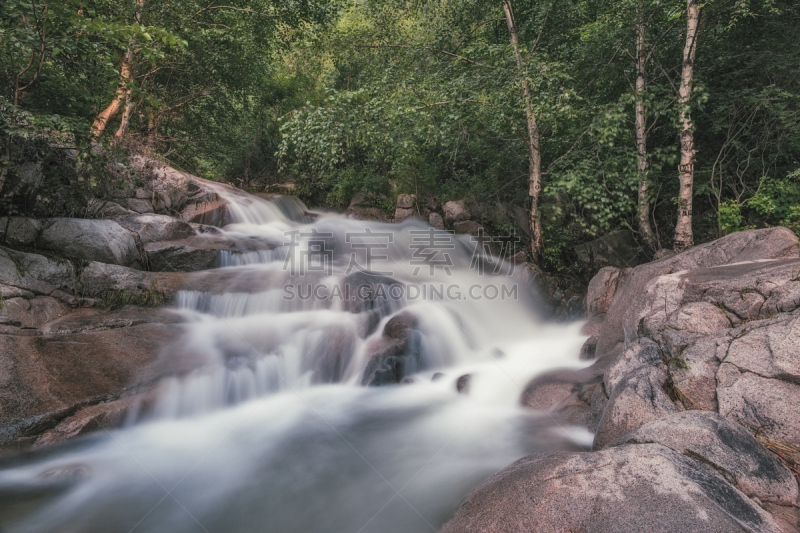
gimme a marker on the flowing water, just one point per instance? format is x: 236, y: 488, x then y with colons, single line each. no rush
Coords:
x: 266, y: 423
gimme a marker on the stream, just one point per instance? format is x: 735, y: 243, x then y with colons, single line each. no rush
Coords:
x: 266, y: 422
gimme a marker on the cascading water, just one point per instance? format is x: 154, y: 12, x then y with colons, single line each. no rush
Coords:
x: 265, y: 423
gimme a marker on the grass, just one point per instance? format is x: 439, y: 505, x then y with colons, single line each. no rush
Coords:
x: 114, y: 299
x: 787, y: 452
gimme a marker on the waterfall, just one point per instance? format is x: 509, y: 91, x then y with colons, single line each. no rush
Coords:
x: 264, y: 422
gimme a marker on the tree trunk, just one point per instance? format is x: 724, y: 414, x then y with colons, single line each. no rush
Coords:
x: 126, y: 116
x: 535, y: 156
x: 120, y: 96
x: 684, y: 237
x: 641, y: 137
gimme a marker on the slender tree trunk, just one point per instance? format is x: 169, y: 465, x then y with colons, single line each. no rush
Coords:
x: 641, y: 136
x: 126, y: 116
x: 684, y: 237
x: 120, y: 96
x: 534, y: 140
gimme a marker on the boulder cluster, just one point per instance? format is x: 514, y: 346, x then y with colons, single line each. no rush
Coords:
x: 693, y: 401
x: 74, y: 356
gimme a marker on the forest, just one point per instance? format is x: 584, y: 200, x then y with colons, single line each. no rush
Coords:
x: 675, y: 120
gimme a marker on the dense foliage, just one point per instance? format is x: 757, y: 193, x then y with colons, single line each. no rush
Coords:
x: 424, y: 97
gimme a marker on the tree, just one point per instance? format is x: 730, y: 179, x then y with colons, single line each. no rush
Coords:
x: 684, y: 237
x: 642, y: 58
x: 533, y: 141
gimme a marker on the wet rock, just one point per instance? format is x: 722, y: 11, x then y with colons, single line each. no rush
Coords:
x: 211, y: 210
x: 545, y: 391
x: 92, y: 240
x: 436, y: 220
x: 180, y: 256
x: 645, y: 487
x: 638, y: 399
x: 171, y: 189
x: 462, y: 384
x: 725, y: 448
x: 32, y: 313
x: 518, y: 258
x: 396, y: 354
x: 455, y: 211
x: 366, y: 292
x: 152, y: 227
x: 85, y: 320
x: 105, y: 415
x: 101, y: 277
x: 19, y: 231
x: 589, y: 348
x: 601, y: 290
x: 572, y: 410
x: 44, y: 379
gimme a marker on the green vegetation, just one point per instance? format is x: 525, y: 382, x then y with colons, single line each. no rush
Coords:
x: 589, y: 114
x: 116, y: 299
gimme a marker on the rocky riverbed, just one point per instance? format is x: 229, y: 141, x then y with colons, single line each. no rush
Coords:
x: 692, y: 397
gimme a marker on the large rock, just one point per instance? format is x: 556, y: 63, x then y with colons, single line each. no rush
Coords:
x: 139, y: 205
x: 180, y: 256
x: 752, y: 245
x: 211, y: 210
x: 32, y: 313
x: 199, y: 253
x: 467, y: 227
x: 19, y: 231
x: 713, y: 329
x: 726, y: 339
x: 35, y: 273
x: 455, y: 211
x: 91, y: 240
x: 724, y: 447
x: 106, y: 415
x: 151, y: 228
x: 601, y: 290
x: 436, y: 220
x: 645, y: 487
x: 767, y: 405
x: 170, y: 191
x: 45, y: 379
x: 106, y: 209
x: 638, y: 399
x: 396, y: 354
x: 406, y: 201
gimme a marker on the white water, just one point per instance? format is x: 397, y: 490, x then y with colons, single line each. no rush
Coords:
x: 267, y: 427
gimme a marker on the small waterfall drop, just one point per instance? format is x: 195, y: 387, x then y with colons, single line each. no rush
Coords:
x: 265, y: 422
